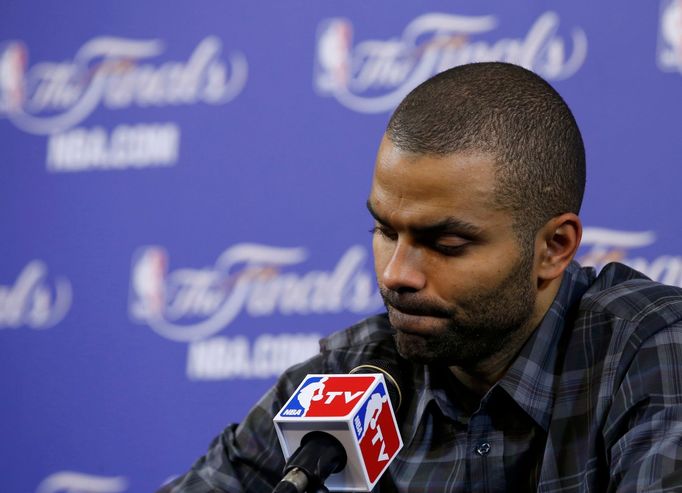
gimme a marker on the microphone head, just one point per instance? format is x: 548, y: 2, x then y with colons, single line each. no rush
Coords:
x: 392, y: 375
x: 356, y: 409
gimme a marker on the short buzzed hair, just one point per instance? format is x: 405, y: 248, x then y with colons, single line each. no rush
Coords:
x: 512, y: 114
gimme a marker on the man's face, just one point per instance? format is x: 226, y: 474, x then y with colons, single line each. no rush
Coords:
x: 455, y: 281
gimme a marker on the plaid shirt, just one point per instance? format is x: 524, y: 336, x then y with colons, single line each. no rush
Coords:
x: 593, y: 403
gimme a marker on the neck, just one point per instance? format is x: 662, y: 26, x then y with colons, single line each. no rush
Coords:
x: 488, y: 372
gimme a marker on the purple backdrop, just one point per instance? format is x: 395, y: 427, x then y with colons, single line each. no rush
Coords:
x: 182, y: 202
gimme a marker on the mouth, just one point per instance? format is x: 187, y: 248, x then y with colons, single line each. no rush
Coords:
x: 414, y: 322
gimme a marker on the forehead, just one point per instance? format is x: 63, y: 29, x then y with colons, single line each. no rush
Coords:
x: 413, y: 187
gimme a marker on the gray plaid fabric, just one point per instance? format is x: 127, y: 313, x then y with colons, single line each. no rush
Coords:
x: 593, y: 403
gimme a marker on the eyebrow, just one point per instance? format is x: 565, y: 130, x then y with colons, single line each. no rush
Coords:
x: 448, y: 224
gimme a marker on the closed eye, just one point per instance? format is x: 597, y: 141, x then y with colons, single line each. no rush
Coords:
x: 449, y: 245
x: 385, y: 232
x: 450, y: 250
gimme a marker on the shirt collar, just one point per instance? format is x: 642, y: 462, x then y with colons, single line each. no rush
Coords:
x: 533, y: 377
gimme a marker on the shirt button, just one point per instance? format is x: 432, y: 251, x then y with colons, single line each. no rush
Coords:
x: 483, y: 449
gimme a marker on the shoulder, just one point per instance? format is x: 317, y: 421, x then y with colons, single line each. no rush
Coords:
x: 620, y: 312
x: 374, y: 329
x: 368, y: 340
x: 621, y: 292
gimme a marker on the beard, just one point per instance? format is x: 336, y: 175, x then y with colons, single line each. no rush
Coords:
x: 479, y: 326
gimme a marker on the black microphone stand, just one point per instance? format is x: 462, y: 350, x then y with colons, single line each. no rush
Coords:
x: 319, y: 455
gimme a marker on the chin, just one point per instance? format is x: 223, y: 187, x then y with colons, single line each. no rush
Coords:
x: 444, y: 349
x: 418, y: 348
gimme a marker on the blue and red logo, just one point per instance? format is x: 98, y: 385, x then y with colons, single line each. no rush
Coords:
x: 327, y: 396
x: 376, y: 432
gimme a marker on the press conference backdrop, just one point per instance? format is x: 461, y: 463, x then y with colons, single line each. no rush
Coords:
x: 183, y: 188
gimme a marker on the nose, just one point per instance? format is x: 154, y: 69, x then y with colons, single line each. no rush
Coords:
x: 403, y: 270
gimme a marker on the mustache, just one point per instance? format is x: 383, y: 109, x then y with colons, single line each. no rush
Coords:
x: 413, y: 304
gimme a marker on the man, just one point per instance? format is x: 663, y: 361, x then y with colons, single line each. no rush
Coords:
x: 527, y: 372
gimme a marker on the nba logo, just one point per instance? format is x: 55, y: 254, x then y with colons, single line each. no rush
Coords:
x: 332, y: 67
x: 327, y: 396
x: 13, y: 57
x: 670, y: 36
x: 148, y: 283
x: 377, y: 435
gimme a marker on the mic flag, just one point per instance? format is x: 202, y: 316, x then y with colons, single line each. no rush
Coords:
x: 356, y: 410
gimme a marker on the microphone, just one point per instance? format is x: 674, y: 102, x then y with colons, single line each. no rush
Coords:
x: 340, y: 429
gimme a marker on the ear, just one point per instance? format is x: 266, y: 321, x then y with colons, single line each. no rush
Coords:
x: 556, y: 244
